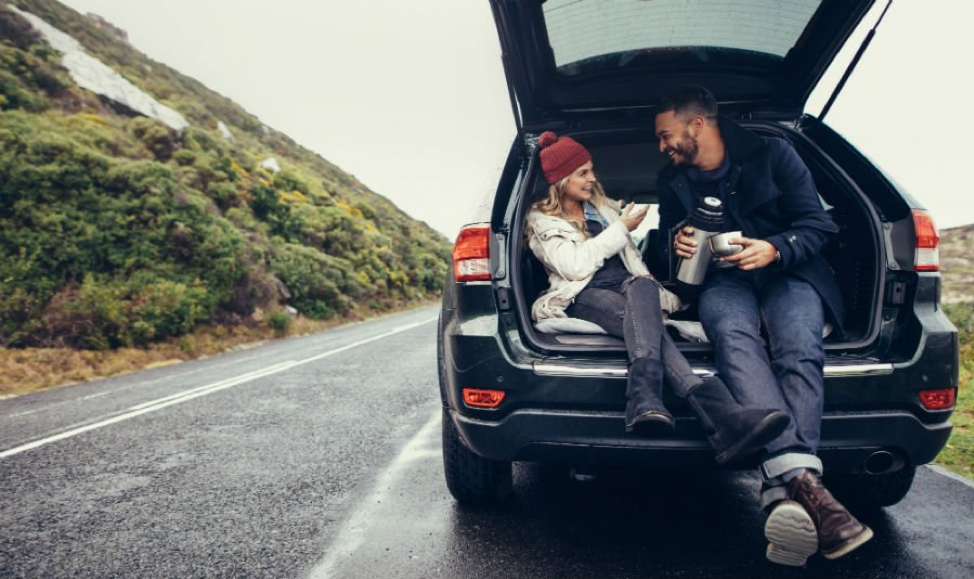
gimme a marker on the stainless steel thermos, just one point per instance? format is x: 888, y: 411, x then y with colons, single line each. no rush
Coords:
x: 707, y: 220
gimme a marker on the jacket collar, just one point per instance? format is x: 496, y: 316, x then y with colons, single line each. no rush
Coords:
x: 741, y: 143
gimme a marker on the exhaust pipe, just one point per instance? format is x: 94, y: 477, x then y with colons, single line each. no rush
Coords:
x: 883, y: 461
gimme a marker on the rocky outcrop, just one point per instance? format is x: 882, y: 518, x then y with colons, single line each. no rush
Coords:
x: 957, y: 264
x: 91, y: 74
x: 271, y: 164
x: 224, y: 131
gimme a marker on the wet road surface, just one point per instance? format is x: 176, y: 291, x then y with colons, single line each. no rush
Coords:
x: 319, y: 457
x: 628, y: 524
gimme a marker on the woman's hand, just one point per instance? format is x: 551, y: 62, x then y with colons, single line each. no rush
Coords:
x: 632, y: 216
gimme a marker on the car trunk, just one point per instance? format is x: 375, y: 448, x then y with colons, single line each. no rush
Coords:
x: 627, y: 161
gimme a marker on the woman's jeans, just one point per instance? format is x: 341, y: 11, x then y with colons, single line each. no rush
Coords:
x: 733, y: 308
x: 631, y: 311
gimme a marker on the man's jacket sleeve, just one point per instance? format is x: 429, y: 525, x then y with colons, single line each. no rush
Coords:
x: 808, y: 224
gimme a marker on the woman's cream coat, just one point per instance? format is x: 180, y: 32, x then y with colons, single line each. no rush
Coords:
x: 571, y: 259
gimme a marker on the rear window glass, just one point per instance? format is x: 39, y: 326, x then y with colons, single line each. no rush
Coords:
x: 612, y: 33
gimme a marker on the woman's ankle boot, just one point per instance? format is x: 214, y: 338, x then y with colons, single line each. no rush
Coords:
x: 645, y: 413
x: 734, y: 431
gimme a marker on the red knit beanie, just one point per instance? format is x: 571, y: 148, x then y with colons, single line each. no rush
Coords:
x: 560, y: 156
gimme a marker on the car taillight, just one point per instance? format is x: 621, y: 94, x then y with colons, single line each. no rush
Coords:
x: 928, y: 242
x: 938, y: 399
x: 479, y: 398
x: 471, y: 257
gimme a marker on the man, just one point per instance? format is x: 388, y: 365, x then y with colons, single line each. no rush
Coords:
x: 781, y: 284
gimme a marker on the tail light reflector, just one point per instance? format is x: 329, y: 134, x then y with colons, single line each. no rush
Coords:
x: 479, y: 398
x: 938, y: 399
x: 928, y: 242
x: 471, y: 257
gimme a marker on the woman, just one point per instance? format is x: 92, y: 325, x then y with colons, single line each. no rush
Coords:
x: 597, y: 274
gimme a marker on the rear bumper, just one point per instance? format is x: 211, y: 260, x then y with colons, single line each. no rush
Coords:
x: 578, y: 437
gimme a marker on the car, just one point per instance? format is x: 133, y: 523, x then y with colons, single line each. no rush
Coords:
x: 593, y: 70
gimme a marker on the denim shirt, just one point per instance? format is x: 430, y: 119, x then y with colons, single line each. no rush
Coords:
x: 592, y: 214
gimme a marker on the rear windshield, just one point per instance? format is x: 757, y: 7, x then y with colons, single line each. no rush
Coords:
x: 609, y: 34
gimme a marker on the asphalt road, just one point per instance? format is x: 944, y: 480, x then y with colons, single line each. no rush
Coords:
x: 319, y: 457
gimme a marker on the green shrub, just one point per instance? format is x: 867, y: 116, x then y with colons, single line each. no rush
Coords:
x: 16, y: 96
x: 184, y: 157
x: 157, y: 138
x: 108, y: 313
x: 962, y: 315
x: 313, y: 278
x: 279, y: 322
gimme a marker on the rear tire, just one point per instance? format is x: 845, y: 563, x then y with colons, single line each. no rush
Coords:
x: 871, y: 491
x: 471, y: 478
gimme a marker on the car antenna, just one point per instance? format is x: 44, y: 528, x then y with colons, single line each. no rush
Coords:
x: 852, y: 65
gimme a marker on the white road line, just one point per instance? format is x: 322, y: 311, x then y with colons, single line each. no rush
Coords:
x: 219, y: 385
x: 352, y: 534
x: 152, y: 406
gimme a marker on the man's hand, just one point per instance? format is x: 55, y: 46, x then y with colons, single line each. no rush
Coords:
x: 632, y: 216
x: 757, y: 253
x: 683, y: 242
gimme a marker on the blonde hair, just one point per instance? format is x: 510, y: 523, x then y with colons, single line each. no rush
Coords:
x: 551, y: 205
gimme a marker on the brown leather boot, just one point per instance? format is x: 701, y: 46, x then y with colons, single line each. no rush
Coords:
x: 839, y: 533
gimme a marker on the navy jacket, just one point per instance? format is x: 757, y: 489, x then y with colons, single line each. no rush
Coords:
x: 769, y: 191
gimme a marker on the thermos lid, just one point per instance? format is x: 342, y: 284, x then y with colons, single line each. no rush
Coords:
x: 712, y: 202
x: 709, y: 216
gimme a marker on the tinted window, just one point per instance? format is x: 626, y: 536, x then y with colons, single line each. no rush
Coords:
x: 612, y: 33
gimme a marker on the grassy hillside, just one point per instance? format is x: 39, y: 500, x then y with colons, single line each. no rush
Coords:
x: 956, y: 255
x: 117, y: 231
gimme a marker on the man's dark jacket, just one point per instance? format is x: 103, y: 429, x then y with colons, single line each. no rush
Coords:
x: 770, y: 193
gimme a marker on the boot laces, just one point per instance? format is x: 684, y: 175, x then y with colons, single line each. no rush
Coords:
x: 820, y: 499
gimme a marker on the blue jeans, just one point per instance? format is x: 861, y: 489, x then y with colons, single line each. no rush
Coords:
x: 631, y: 311
x: 733, y: 308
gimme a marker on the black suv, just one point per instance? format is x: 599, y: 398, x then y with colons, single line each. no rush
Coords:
x: 592, y: 70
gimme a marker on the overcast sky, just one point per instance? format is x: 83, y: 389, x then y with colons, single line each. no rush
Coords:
x: 410, y: 96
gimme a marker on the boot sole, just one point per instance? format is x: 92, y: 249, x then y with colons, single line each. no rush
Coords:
x: 651, y: 424
x: 850, y: 545
x: 765, y: 431
x: 791, y: 535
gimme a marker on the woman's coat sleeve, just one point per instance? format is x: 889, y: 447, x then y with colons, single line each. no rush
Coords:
x: 572, y: 259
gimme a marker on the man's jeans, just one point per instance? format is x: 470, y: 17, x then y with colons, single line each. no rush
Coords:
x: 733, y: 308
x: 631, y: 311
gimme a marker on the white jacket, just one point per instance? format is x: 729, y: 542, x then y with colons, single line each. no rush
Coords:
x: 571, y: 259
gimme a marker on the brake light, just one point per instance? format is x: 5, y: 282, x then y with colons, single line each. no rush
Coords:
x: 938, y: 399
x: 471, y: 257
x: 928, y: 242
x: 479, y: 398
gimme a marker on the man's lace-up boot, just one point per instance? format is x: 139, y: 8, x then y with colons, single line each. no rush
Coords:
x: 839, y: 533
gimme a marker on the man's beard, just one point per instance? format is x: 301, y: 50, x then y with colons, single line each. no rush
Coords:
x: 687, y: 149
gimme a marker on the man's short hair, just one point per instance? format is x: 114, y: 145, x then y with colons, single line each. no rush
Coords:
x: 690, y: 101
